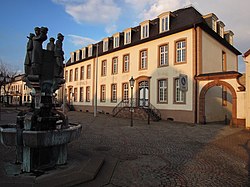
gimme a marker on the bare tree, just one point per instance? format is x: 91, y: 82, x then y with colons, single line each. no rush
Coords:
x: 9, y: 74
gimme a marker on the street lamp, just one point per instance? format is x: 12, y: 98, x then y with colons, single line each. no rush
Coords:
x: 131, y: 82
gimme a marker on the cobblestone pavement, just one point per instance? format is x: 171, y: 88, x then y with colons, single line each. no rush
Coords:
x: 163, y: 153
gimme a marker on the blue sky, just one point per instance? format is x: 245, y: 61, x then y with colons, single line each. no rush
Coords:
x: 87, y: 21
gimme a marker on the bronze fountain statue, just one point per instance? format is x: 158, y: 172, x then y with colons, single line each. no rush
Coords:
x: 41, y: 134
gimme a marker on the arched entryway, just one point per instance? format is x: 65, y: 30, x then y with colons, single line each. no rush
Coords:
x: 143, y: 91
x: 202, y: 112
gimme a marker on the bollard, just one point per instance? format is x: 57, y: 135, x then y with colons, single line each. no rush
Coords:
x: 19, y: 139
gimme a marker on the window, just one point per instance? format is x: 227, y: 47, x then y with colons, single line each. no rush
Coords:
x: 81, y: 94
x: 24, y: 98
x: 70, y: 75
x: 116, y: 41
x: 162, y: 91
x: 127, y: 38
x: 145, y: 31
x: 88, y: 94
x: 105, y: 45
x: 103, y: 93
x: 72, y: 56
x: 83, y: 53
x: 126, y: 63
x: 164, y: 24
x: 115, y: 65
x: 125, y: 92
x: 179, y: 95
x: 66, y: 75
x: 224, y: 61
x: 163, y: 55
x: 90, y: 50
x: 231, y: 39
x: 78, y: 55
x: 104, y: 68
x: 76, y: 74
x: 88, y: 71
x: 214, y: 24
x: 180, y: 51
x: 113, y: 93
x: 143, y: 59
x: 82, y: 73
x: 75, y: 94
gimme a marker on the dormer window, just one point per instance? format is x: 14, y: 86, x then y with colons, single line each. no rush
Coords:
x: 214, y: 24
x: 228, y: 35
x: 105, y: 44
x: 127, y: 36
x: 220, y: 28
x: 78, y: 55
x: 211, y: 20
x: 83, y: 52
x: 164, y: 21
x: 90, y: 50
x: 116, y: 38
x: 72, y: 56
x: 145, y: 29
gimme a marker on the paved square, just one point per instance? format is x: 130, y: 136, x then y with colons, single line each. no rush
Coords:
x: 160, y: 154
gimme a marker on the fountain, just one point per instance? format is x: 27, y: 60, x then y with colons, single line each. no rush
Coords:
x: 41, y: 134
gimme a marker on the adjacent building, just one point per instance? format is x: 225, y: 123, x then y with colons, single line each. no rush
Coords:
x: 184, y: 64
x: 247, y: 101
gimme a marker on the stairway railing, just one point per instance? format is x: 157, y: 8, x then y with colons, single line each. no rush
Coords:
x: 152, y: 110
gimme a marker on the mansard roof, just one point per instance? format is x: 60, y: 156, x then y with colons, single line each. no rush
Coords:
x: 181, y: 20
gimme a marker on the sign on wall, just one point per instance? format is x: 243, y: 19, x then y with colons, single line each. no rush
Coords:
x: 183, y: 81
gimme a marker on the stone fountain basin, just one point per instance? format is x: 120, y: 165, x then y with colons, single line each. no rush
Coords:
x: 36, y: 139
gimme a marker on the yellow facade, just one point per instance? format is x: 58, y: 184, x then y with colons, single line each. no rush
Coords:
x: 204, y: 54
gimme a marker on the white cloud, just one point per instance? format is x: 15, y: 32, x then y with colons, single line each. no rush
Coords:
x: 80, y: 41
x: 94, y: 11
x: 150, y: 9
x: 111, y: 29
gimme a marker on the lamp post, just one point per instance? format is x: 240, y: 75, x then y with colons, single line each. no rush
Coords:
x: 131, y: 82
x: 1, y: 82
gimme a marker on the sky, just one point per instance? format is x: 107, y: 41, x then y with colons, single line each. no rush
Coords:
x: 83, y: 22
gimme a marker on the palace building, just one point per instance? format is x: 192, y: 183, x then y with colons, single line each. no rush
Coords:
x: 184, y: 65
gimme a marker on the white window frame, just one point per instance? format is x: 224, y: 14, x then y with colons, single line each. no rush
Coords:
x: 78, y: 55
x: 164, y: 58
x: 116, y: 40
x: 114, y: 65
x: 105, y: 45
x: 126, y: 63
x: 179, y: 94
x: 83, y: 52
x: 181, y: 51
x: 164, y: 24
x: 89, y: 71
x: 72, y: 56
x: 162, y: 91
x: 104, y: 68
x: 143, y: 59
x: 127, y: 38
x: 90, y: 51
x: 145, y: 31
x: 125, y: 88
x: 103, y: 93
x: 113, y: 92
